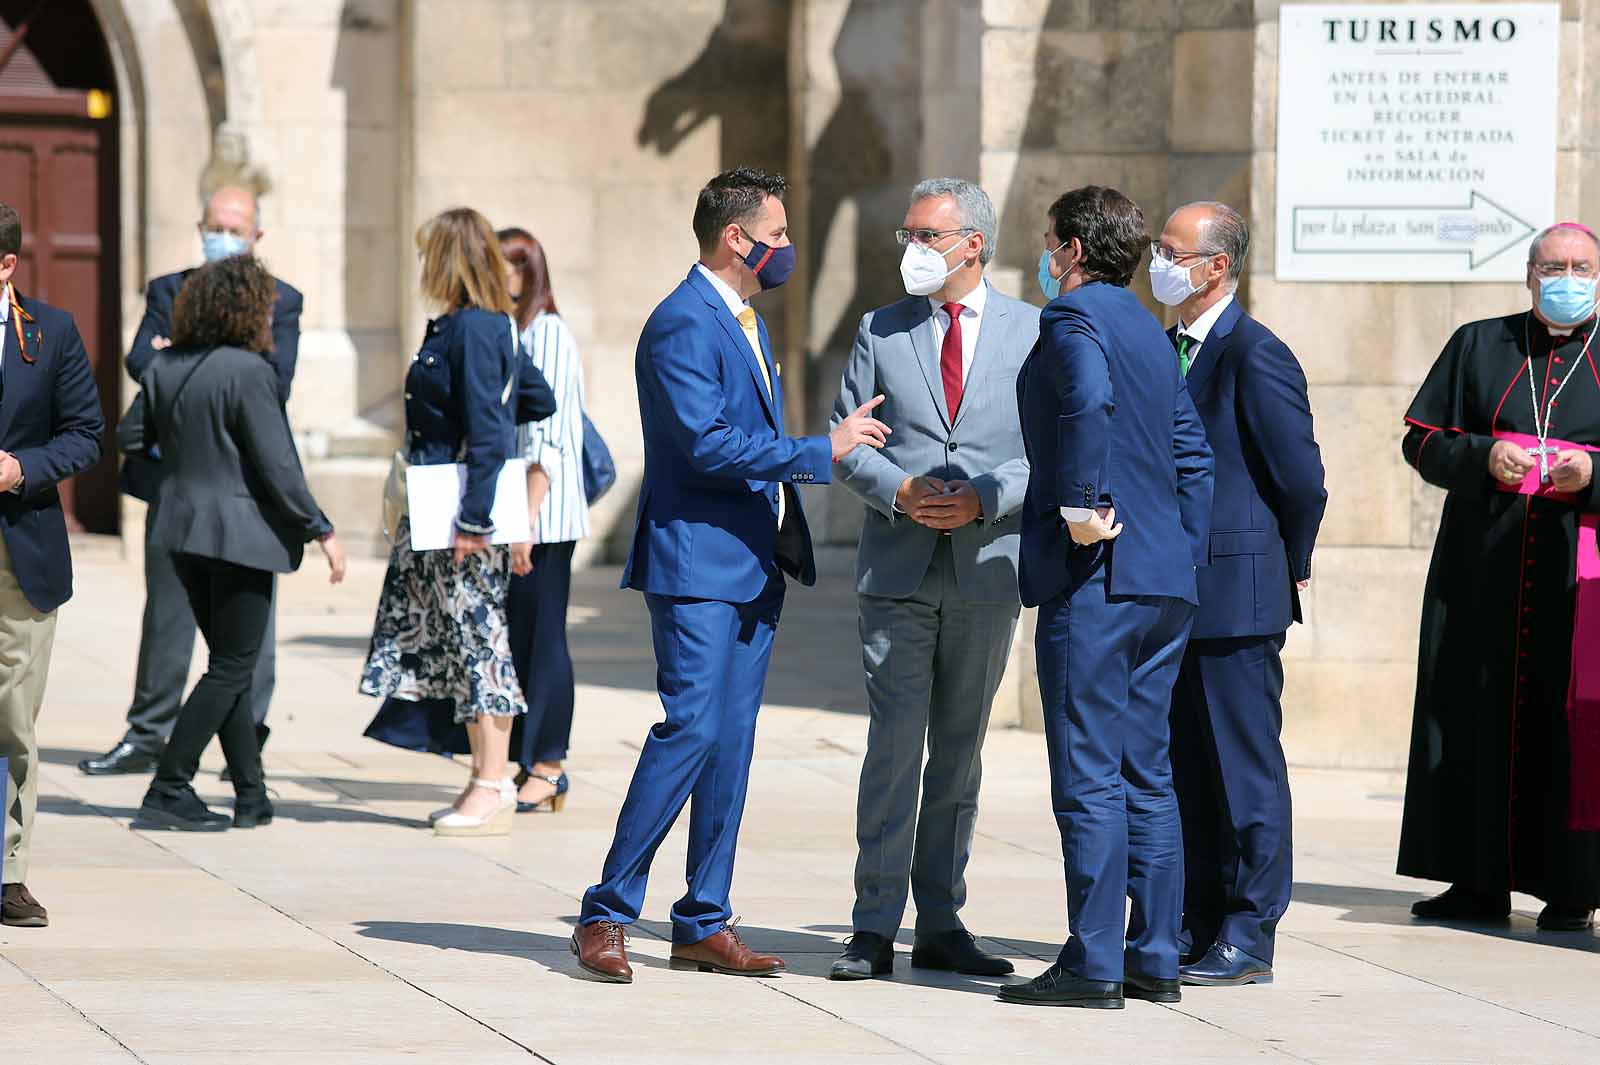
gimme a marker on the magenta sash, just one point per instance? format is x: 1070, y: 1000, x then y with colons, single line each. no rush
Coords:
x: 1583, y: 685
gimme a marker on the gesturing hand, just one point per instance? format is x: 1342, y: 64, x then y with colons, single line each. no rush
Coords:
x: 1573, y: 471
x: 1101, y: 525
x: 958, y: 505
x: 1508, y: 462
x: 860, y: 428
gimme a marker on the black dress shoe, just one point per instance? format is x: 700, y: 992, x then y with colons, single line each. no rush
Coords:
x: 251, y: 812
x: 866, y: 954
x: 1556, y: 917
x: 1136, y: 984
x: 1058, y: 987
x: 1225, y: 965
x: 123, y: 758
x: 1458, y: 903
x: 179, y: 812
x: 19, y: 909
x: 957, y: 951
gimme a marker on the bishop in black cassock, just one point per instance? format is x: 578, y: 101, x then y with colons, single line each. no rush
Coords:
x: 1499, y: 797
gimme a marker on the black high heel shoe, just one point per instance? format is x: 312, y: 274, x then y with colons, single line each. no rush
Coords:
x: 554, y: 802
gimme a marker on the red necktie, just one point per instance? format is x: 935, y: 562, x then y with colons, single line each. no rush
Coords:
x: 950, y: 359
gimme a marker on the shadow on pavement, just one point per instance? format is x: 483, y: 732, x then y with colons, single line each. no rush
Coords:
x: 1366, y: 905
x: 305, y: 812
x: 553, y: 952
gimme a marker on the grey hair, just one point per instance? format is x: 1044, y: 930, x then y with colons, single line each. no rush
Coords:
x: 1533, y: 246
x: 1224, y: 233
x: 973, y: 206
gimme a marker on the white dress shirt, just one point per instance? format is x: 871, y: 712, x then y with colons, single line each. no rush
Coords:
x: 5, y: 318
x: 725, y: 290
x: 971, y: 321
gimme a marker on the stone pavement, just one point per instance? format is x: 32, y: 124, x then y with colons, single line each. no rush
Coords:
x: 346, y: 933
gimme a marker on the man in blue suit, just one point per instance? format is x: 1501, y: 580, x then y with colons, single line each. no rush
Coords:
x: 719, y: 524
x: 229, y: 226
x: 1110, y: 434
x: 1227, y: 716
x: 50, y: 429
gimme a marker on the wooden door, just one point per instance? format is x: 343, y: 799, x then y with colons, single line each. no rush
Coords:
x: 59, y: 173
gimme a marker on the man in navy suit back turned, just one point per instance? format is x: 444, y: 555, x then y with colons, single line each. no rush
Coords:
x: 719, y: 526
x: 1227, y: 757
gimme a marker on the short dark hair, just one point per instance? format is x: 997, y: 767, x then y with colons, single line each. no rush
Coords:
x: 1109, y: 226
x: 10, y: 230
x: 733, y: 196
x: 227, y: 303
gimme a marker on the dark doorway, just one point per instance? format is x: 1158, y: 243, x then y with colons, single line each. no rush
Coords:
x: 59, y: 168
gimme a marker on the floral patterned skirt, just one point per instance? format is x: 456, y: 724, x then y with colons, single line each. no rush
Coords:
x: 441, y: 632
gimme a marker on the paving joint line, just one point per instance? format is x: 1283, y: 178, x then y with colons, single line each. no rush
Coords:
x: 777, y: 990
x: 47, y: 989
x: 289, y: 917
x: 1443, y: 987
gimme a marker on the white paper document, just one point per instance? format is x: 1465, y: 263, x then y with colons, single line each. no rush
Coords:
x: 433, y: 497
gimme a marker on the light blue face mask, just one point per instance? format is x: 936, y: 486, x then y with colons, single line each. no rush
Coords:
x: 222, y: 245
x: 1566, y: 300
x: 1049, y: 284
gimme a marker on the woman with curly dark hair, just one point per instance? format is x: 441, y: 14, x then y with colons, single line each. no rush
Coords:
x: 234, y: 509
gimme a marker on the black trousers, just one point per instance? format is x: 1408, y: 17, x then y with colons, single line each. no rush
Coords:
x: 536, y: 613
x: 231, y: 605
x: 166, y: 646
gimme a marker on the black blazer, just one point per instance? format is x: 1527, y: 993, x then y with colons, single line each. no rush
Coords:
x: 231, y: 485
x: 50, y: 420
x: 1251, y: 395
x: 140, y: 477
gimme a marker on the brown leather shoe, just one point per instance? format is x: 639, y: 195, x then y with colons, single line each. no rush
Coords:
x: 724, y: 952
x: 601, y: 951
x: 19, y: 909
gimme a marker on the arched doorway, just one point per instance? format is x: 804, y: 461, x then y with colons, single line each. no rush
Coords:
x: 59, y: 168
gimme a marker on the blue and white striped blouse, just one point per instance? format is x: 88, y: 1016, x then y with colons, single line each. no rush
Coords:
x: 557, y: 442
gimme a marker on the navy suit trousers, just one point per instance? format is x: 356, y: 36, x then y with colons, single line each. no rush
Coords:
x: 711, y: 670
x: 1233, y: 791
x: 1107, y: 665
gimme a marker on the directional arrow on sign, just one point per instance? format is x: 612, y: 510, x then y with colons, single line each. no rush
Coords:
x: 1480, y: 229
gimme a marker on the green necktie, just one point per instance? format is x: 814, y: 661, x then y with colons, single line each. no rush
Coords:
x: 1183, y: 353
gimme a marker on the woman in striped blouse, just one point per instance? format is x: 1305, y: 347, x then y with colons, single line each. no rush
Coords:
x: 558, y: 508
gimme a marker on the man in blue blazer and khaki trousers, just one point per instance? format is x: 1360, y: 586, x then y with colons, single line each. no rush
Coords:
x: 50, y: 429
x: 1115, y: 523
x: 719, y: 525
x: 1227, y: 716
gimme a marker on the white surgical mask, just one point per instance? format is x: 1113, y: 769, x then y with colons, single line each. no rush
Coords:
x: 1171, y: 283
x: 924, y: 270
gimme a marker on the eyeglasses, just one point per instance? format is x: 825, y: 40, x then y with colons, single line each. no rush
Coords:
x: 926, y: 236
x: 1175, y: 254
x: 1579, y: 269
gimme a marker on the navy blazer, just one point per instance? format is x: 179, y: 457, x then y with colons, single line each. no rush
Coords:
x: 458, y: 398
x: 1106, y: 421
x: 1270, y: 494
x: 50, y: 420
x: 142, y: 478
x: 715, y: 458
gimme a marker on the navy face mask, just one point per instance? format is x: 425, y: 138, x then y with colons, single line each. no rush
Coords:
x: 772, y: 266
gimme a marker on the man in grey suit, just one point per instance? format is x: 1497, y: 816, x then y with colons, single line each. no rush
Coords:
x: 937, y: 572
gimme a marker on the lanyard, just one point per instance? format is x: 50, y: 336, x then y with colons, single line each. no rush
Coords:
x: 1541, y: 430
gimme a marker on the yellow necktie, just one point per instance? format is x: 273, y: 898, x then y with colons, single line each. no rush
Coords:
x: 747, y: 319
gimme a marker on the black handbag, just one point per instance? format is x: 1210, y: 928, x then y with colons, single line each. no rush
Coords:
x: 599, y: 470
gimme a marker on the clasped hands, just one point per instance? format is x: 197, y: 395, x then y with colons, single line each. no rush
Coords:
x: 937, y: 503
x: 1572, y: 470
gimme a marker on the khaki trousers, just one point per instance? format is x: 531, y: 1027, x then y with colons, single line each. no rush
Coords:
x: 26, y: 639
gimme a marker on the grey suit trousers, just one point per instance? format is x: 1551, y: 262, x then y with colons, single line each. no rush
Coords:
x: 166, y: 648
x: 933, y: 663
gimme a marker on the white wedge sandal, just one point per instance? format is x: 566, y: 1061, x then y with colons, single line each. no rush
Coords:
x: 453, y: 822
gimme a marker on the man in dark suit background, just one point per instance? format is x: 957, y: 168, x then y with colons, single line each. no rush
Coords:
x: 50, y: 429
x: 230, y: 226
x: 1110, y: 433
x: 1227, y: 755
